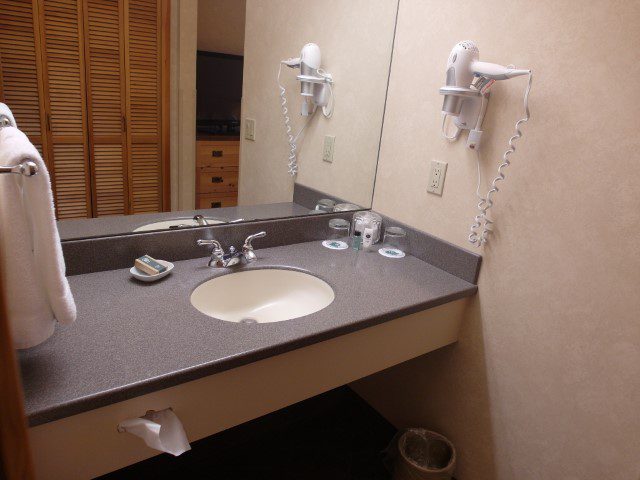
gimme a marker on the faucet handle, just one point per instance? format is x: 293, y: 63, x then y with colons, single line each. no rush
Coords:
x: 251, y: 238
x: 214, y: 243
x: 216, y: 251
x: 202, y: 242
x: 247, y: 248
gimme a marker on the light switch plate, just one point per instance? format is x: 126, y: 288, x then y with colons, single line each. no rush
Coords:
x: 250, y: 129
x: 327, y: 149
x: 436, y: 177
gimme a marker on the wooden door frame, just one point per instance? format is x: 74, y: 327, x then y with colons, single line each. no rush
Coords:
x: 1, y: 81
x: 45, y: 140
x: 15, y: 454
x: 165, y: 23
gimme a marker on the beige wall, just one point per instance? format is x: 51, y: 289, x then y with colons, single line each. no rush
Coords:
x: 184, y: 18
x: 221, y: 26
x: 544, y: 383
x: 355, y: 37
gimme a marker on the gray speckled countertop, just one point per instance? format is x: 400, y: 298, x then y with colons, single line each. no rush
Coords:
x: 122, y: 224
x: 133, y: 338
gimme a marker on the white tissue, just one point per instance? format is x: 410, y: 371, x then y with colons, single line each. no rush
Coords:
x: 161, y: 430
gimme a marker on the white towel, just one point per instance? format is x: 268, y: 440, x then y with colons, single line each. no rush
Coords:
x: 37, y: 291
x: 4, y: 110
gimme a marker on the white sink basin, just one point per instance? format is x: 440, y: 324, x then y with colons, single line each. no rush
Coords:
x: 176, y: 222
x: 262, y: 296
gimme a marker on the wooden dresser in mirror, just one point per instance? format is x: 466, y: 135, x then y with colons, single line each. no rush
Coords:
x: 217, y: 170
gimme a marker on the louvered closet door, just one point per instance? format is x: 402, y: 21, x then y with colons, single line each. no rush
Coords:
x: 65, y: 100
x: 144, y: 54
x: 87, y: 81
x: 106, y: 96
x: 20, y: 85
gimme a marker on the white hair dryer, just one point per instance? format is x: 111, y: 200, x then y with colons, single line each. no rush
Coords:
x: 466, y: 95
x: 315, y: 83
x: 466, y: 92
x: 316, y: 89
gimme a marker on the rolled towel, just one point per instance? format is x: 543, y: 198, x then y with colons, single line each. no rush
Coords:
x: 37, y: 291
x: 6, y: 111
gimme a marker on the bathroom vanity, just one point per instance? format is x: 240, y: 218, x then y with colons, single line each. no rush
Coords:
x: 143, y: 346
x: 218, y: 345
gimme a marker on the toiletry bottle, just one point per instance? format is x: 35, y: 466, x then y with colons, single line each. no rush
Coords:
x: 367, y: 239
x: 357, y: 240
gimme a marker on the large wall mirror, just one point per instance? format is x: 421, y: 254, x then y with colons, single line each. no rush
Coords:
x: 169, y: 114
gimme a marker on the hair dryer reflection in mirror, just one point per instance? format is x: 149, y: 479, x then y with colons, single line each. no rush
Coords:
x: 316, y: 89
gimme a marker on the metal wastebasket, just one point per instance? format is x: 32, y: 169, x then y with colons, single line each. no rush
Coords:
x: 423, y: 455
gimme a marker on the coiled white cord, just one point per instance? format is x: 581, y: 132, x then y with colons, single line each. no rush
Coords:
x: 453, y: 137
x: 292, y: 164
x: 481, y: 220
x: 477, y: 220
x: 327, y: 110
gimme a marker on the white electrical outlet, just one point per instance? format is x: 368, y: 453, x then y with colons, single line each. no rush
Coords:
x: 250, y: 129
x: 327, y: 149
x: 436, y: 177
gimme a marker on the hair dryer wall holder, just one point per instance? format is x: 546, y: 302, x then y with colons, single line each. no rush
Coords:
x: 319, y: 93
x: 467, y: 106
x: 314, y: 79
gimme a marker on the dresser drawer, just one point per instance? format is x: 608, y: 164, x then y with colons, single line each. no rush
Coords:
x: 217, y: 200
x: 218, y: 180
x: 210, y: 154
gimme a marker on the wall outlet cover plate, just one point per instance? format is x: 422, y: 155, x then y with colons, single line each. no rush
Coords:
x: 328, y: 147
x: 250, y: 129
x: 437, y: 173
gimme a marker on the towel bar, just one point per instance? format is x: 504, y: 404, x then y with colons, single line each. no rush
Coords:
x: 27, y: 168
x: 5, y: 121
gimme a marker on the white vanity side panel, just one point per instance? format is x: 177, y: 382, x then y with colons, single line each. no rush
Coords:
x: 87, y: 445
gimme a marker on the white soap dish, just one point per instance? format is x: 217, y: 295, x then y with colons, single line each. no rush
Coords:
x: 335, y: 244
x: 145, y: 277
x: 391, y: 252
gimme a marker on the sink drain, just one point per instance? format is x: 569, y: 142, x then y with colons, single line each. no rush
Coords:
x: 248, y: 320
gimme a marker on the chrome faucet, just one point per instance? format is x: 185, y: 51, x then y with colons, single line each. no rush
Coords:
x: 233, y: 257
x: 200, y: 220
x: 247, y: 249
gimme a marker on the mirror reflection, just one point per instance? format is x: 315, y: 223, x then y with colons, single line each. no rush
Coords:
x: 167, y: 114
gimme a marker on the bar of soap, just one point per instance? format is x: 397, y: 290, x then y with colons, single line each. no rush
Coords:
x: 149, y: 265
